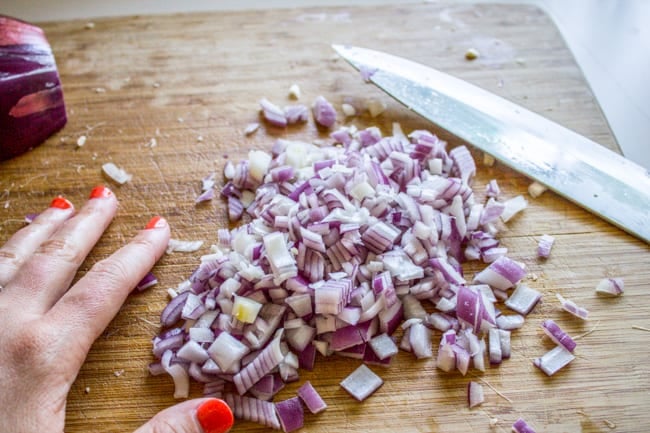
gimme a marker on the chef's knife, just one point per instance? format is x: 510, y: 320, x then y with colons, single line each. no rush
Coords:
x: 573, y: 166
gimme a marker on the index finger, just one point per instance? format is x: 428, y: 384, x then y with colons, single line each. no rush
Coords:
x: 89, y: 306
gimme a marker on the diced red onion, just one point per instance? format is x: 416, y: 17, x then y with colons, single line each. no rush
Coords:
x: 273, y: 114
x: 324, y: 113
x: 267, y: 360
x: 510, y: 322
x: 494, y: 346
x: 512, y: 207
x: 544, y: 246
x: 311, y: 398
x: 558, y: 336
x: 610, y: 286
x: 290, y: 413
x: 554, y: 360
x: 361, y: 383
x: 475, y: 395
x: 383, y: 346
x: 523, y: 299
x: 253, y: 409
x: 521, y: 426
x: 147, y: 281
x: 572, y: 307
x: 115, y: 173
x: 502, y: 274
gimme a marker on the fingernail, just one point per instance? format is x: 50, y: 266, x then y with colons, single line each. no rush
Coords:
x: 215, y: 416
x: 61, y: 202
x: 156, y: 222
x: 100, y: 192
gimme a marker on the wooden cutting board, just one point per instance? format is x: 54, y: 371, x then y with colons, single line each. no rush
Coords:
x: 190, y: 84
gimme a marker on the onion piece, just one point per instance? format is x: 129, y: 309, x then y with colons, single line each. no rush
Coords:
x: 149, y: 280
x: 544, y: 246
x: 552, y: 361
x: 311, y: 398
x: 31, y: 95
x: 502, y: 274
x: 253, y: 409
x: 521, y: 426
x: 178, y: 245
x: 263, y: 364
x: 290, y: 413
x: 324, y: 113
x: 573, y: 308
x: 116, y: 173
x: 475, y: 395
x: 361, y: 383
x: 273, y: 114
x: 610, y: 286
x: 558, y: 336
x: 512, y: 207
x: 523, y: 299
x: 383, y: 346
x: 510, y: 322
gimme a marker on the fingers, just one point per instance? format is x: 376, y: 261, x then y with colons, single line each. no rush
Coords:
x: 47, y: 274
x: 88, y: 307
x: 23, y: 243
x: 204, y: 415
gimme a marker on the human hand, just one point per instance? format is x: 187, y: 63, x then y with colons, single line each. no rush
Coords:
x: 47, y: 326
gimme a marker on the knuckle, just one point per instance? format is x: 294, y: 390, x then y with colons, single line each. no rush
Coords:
x: 28, y: 345
x: 111, y: 271
x: 10, y: 259
x: 62, y: 248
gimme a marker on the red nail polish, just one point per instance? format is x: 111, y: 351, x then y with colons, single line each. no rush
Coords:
x: 215, y: 416
x: 156, y: 222
x: 100, y: 192
x: 61, y: 202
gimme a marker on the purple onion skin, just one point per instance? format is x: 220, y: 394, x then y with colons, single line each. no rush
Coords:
x: 31, y: 103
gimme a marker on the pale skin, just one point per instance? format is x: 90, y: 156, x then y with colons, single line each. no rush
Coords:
x: 47, y: 325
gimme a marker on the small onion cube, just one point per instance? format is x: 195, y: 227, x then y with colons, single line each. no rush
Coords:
x: 290, y: 413
x: 273, y: 114
x: 227, y: 351
x: 324, y: 113
x: 361, y: 383
x: 147, y: 281
x: 523, y: 299
x: 253, y: 409
x: 610, y: 286
x: 311, y: 398
x: 558, y: 336
x: 502, y: 274
x: 544, y: 246
x: 383, y: 346
x: 554, y: 360
x: 183, y: 246
x: 494, y: 346
x: 510, y: 322
x: 116, y: 173
x: 475, y: 395
x: 245, y: 309
x: 521, y: 426
x: 573, y: 308
x: 512, y: 207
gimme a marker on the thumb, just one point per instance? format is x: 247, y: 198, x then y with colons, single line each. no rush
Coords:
x: 201, y: 415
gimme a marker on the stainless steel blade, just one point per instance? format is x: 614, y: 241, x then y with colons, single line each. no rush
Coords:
x: 573, y: 166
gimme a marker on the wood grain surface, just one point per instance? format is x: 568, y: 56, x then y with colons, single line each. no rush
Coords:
x: 192, y: 82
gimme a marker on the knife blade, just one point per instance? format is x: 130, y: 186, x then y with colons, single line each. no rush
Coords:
x: 581, y: 170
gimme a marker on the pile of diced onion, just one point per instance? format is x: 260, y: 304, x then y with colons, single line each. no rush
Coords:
x: 339, y: 246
